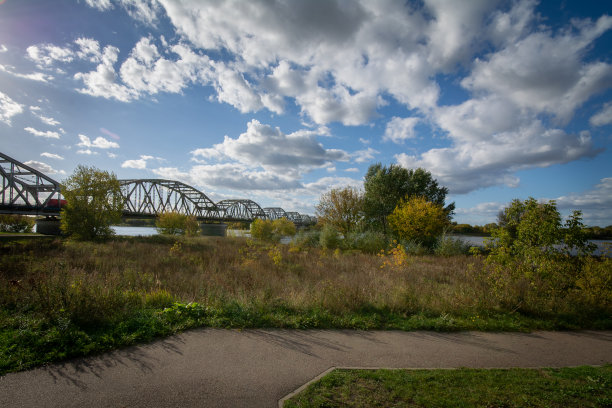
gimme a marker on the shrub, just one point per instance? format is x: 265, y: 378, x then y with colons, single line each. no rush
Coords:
x: 329, y: 238
x: 16, y: 223
x: 306, y: 239
x: 174, y: 223
x: 283, y: 227
x: 371, y: 242
x: 415, y: 248
x: 449, y: 246
x: 272, y: 231
x: 192, y: 226
x: 530, y: 263
x: 262, y: 229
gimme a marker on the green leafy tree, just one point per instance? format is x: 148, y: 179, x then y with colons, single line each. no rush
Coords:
x: 341, y: 208
x: 93, y: 204
x: 531, y: 227
x: 385, y: 187
x: 537, y: 254
x: 418, y: 220
x: 174, y: 223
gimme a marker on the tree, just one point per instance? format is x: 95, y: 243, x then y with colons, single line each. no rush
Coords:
x: 419, y: 220
x: 283, y: 227
x: 268, y: 230
x: 532, y: 252
x: 93, y: 204
x: 174, y: 223
x: 530, y: 228
x: 262, y: 229
x: 385, y: 187
x: 341, y: 208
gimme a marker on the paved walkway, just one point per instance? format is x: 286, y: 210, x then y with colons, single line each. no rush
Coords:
x: 255, y: 368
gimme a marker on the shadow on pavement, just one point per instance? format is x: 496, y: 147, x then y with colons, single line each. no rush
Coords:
x: 138, y: 356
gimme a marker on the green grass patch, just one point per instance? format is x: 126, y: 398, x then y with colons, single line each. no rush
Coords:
x: 564, y: 387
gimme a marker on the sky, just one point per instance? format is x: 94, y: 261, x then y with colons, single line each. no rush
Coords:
x: 279, y: 101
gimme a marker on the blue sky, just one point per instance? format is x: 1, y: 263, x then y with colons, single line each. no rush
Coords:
x: 279, y: 101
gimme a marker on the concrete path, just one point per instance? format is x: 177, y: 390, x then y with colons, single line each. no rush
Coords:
x: 256, y: 368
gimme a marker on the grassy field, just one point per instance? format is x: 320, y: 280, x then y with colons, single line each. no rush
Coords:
x: 61, y: 299
x: 578, y: 387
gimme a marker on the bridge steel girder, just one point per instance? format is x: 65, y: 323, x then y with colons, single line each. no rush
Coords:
x: 295, y: 217
x: 275, y: 213
x: 152, y: 197
x: 26, y: 190
x: 307, y: 219
x: 241, y: 210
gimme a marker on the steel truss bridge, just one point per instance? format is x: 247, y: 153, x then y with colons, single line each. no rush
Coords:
x: 28, y: 191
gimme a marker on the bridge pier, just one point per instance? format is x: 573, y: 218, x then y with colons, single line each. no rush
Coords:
x: 48, y: 226
x: 214, y: 230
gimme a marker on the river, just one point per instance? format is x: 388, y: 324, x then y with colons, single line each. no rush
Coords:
x: 603, y: 246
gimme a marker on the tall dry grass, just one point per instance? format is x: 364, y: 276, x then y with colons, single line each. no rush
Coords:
x: 91, y: 279
x: 97, y: 283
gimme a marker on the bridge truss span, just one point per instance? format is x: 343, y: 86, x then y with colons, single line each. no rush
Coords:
x: 241, y: 210
x: 26, y: 190
x: 275, y: 213
x: 152, y: 197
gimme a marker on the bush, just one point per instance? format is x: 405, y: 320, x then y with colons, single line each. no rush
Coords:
x: 307, y: 239
x: 448, y: 246
x: 192, y: 226
x: 174, y: 223
x: 16, y: 223
x: 283, y: 227
x: 370, y: 242
x: 272, y: 231
x: 329, y: 238
x: 415, y: 248
x: 530, y: 267
x: 262, y: 229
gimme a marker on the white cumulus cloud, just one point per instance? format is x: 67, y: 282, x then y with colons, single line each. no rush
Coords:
x: 52, y: 156
x: 43, y: 167
x: 603, y: 117
x: 400, y: 129
x: 98, y: 143
x: 49, y: 134
x: 268, y: 147
x: 8, y: 108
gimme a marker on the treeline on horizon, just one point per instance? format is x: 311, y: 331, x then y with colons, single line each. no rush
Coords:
x: 485, y: 230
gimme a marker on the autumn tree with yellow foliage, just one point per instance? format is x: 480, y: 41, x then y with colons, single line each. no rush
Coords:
x: 419, y: 220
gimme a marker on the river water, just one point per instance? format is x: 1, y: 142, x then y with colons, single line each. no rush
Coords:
x: 603, y: 246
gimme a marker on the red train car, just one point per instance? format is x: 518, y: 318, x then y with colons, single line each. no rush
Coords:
x: 55, y: 203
